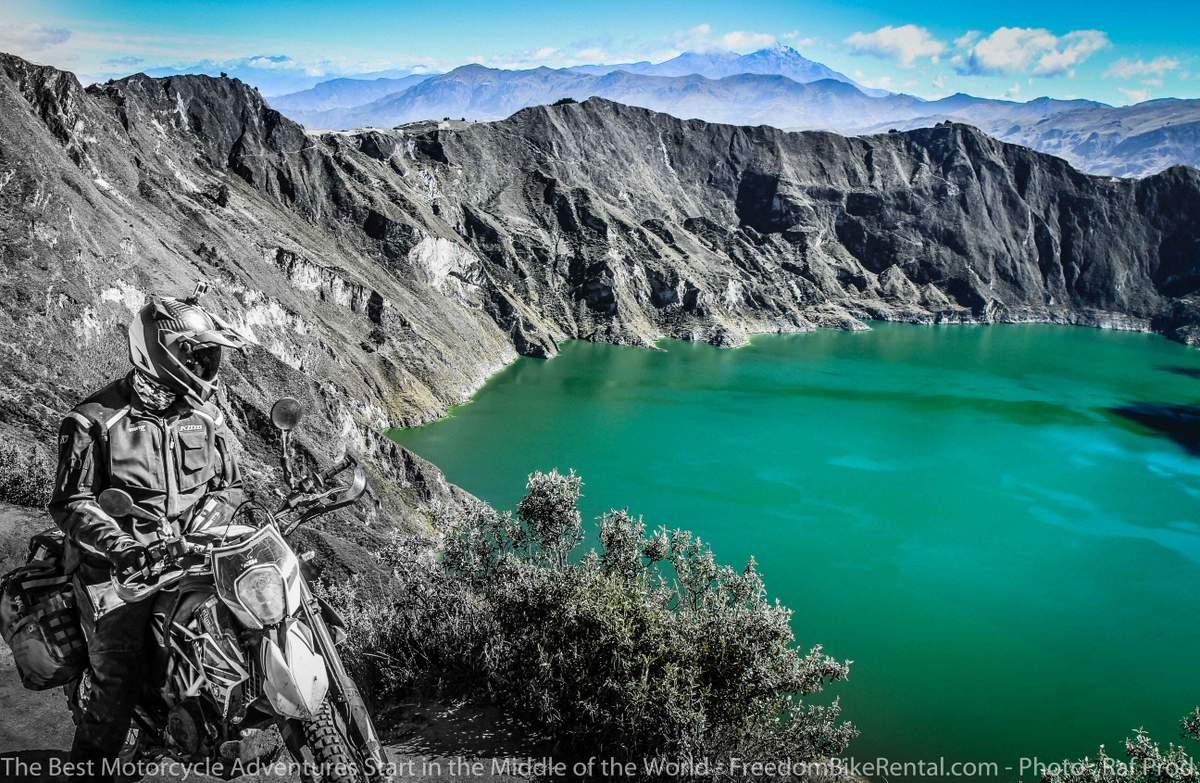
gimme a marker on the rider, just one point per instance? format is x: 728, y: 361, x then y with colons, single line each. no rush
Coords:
x: 156, y: 434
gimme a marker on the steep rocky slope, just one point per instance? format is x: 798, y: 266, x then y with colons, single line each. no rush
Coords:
x: 629, y: 224
x: 384, y: 275
x: 148, y: 186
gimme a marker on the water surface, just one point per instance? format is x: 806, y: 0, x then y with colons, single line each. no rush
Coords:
x: 998, y: 524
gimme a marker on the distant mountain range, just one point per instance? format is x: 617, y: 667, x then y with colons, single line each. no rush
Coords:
x: 775, y: 61
x: 272, y: 75
x: 1118, y: 140
x: 344, y: 94
x: 776, y: 86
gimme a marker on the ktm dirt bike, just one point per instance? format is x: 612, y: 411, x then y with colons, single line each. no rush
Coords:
x: 244, y: 646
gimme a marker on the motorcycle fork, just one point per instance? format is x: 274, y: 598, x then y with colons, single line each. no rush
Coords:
x: 293, y: 739
x: 343, y: 690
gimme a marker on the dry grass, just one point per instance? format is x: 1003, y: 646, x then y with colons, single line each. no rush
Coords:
x: 17, y: 525
x: 26, y: 476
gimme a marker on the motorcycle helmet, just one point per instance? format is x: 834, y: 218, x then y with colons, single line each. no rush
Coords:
x: 178, y: 344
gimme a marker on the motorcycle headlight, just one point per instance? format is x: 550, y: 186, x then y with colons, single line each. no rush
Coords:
x: 261, y: 590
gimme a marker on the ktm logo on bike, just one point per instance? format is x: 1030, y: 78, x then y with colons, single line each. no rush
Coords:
x: 191, y: 427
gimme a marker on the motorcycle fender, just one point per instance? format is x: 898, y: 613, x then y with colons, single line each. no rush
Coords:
x: 295, y: 681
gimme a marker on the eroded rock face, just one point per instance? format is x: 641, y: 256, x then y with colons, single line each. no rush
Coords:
x: 385, y: 274
x: 645, y: 225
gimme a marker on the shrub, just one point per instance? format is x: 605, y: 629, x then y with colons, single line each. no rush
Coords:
x: 645, y: 647
x: 1145, y: 761
x: 26, y: 478
x: 564, y: 101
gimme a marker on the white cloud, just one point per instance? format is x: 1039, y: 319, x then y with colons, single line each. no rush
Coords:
x: 906, y: 44
x: 96, y: 52
x: 939, y: 83
x: 1135, y: 96
x: 1128, y: 69
x: 740, y: 40
x: 593, y: 54
x: 968, y: 38
x: 1033, y: 50
x: 27, y: 38
x: 1075, y: 48
x: 544, y: 56
x: 702, y: 38
x: 882, y: 83
x: 697, y: 37
x: 275, y: 62
x: 1012, y: 93
x: 794, y: 38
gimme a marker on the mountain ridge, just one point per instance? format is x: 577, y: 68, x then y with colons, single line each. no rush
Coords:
x: 345, y: 93
x: 476, y: 92
x: 810, y: 100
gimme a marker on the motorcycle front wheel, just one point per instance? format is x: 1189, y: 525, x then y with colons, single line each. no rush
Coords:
x: 331, y: 752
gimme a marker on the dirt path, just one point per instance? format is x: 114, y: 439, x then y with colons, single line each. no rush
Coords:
x: 436, y: 742
x: 427, y: 741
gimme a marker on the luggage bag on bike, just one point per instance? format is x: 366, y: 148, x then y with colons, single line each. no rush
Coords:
x: 38, y: 617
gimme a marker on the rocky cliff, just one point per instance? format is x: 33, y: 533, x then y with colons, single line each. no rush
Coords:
x: 385, y: 275
x: 148, y: 186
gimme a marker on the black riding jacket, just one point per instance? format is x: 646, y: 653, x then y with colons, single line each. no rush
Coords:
x: 167, y: 461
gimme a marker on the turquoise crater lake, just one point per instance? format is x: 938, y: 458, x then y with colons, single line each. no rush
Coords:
x: 997, y: 524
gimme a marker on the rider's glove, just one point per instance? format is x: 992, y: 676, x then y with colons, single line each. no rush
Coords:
x: 128, y: 556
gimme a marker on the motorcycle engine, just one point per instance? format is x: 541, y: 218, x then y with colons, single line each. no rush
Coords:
x: 186, y: 729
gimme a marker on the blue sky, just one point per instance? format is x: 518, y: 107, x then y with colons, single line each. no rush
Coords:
x: 1114, y: 52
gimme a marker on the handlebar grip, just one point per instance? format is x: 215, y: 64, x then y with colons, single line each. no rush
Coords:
x: 345, y: 462
x: 129, y: 591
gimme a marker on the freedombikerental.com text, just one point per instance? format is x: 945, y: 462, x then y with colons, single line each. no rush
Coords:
x: 465, y: 768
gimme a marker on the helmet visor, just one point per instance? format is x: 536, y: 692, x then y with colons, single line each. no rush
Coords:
x: 201, y: 361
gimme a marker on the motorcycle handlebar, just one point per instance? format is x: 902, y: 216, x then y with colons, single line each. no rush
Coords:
x: 137, y: 586
x: 131, y: 591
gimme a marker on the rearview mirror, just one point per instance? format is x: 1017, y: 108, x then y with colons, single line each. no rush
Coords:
x: 116, y: 502
x: 286, y: 413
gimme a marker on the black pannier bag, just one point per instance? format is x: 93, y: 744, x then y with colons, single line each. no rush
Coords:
x: 38, y: 617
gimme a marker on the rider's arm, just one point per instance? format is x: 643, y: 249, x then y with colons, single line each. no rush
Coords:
x: 73, y: 504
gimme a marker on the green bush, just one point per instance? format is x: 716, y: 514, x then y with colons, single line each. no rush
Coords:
x: 1146, y: 761
x: 643, y: 648
x: 26, y: 478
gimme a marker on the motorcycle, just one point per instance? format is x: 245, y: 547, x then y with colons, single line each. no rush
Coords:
x: 244, y: 646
